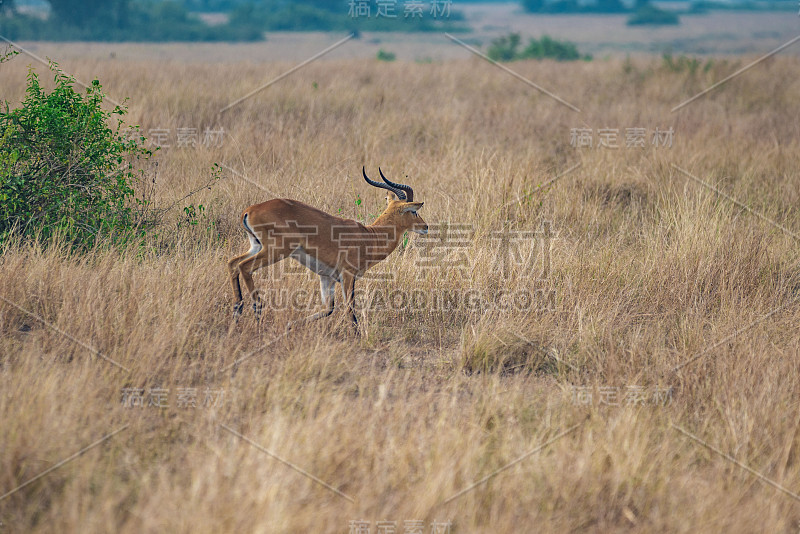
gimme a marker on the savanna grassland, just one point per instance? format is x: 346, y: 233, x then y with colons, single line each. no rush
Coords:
x: 649, y: 269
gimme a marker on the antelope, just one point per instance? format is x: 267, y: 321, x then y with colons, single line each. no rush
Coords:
x: 337, y: 249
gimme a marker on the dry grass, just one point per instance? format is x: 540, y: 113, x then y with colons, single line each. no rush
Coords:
x: 649, y: 269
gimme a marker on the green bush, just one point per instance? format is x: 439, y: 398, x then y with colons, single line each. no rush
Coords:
x: 507, y: 49
x: 650, y: 15
x: 386, y: 56
x: 684, y: 64
x: 67, y: 167
x: 547, y: 47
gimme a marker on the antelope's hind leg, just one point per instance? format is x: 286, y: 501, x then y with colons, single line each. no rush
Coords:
x: 250, y: 265
x: 233, y: 275
x: 235, y: 267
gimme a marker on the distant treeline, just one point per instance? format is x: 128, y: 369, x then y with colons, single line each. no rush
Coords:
x: 643, y: 12
x: 172, y: 20
x: 646, y: 12
x: 633, y: 6
x: 217, y: 6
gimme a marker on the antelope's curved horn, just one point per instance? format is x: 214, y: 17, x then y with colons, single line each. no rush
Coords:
x: 397, y: 191
x: 407, y: 189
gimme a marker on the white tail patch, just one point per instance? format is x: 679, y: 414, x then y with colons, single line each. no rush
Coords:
x: 255, y: 244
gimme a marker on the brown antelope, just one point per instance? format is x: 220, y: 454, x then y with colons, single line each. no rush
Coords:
x: 338, y: 250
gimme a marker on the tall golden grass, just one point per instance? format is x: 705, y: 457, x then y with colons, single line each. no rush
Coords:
x: 649, y: 267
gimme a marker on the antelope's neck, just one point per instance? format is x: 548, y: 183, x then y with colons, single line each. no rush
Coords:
x: 385, y: 235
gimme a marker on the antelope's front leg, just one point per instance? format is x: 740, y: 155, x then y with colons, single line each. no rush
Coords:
x: 348, y: 288
x: 327, y: 288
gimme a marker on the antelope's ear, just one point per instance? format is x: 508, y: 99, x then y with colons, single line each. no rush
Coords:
x: 412, y: 207
x: 390, y: 197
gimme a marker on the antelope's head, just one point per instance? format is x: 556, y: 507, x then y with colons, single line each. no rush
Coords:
x: 401, y: 210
